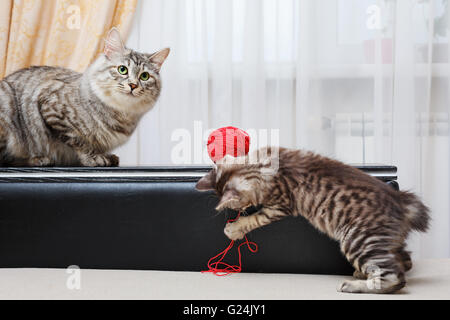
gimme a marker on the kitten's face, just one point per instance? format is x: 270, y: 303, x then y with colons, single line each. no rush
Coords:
x: 124, y: 78
x: 238, y: 186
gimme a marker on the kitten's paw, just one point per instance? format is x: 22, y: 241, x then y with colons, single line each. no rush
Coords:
x: 233, y: 232
x: 39, y: 162
x: 353, y: 286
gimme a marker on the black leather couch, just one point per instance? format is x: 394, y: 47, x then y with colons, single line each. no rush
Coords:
x: 143, y: 218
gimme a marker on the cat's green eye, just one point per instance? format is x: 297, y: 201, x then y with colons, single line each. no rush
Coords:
x: 122, y: 70
x: 145, y: 76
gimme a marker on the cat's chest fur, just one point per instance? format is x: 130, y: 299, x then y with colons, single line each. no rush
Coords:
x: 111, y: 130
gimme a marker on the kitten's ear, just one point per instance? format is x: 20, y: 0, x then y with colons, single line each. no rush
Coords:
x: 230, y: 199
x: 158, y: 58
x: 113, y: 44
x: 207, y: 182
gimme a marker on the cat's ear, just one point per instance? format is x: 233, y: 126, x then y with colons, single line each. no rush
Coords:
x: 230, y: 199
x: 158, y: 58
x: 207, y: 182
x: 113, y: 44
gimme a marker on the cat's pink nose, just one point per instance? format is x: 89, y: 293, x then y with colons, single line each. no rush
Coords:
x: 132, y: 86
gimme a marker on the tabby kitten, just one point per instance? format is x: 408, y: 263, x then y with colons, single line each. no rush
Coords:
x: 56, y: 116
x: 370, y: 219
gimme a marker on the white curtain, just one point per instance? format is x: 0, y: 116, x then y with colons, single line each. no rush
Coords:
x: 363, y: 81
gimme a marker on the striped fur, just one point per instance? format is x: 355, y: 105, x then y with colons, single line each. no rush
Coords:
x: 370, y: 219
x: 55, y: 116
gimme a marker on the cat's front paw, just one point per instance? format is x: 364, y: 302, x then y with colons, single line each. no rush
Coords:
x: 113, y: 160
x: 39, y: 162
x: 233, y: 232
x: 100, y: 160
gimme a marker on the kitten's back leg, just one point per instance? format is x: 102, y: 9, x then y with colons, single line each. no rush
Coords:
x: 405, y: 257
x: 383, y: 269
x: 359, y: 275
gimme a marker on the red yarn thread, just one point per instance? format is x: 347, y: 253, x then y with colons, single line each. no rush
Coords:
x: 220, y: 268
x: 235, y: 142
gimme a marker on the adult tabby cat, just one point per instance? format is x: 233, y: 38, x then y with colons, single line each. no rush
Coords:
x: 56, y: 116
x: 370, y: 219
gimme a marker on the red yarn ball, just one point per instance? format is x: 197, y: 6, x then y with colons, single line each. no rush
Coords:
x: 229, y: 140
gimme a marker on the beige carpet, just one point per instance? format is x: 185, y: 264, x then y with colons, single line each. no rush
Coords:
x: 429, y: 279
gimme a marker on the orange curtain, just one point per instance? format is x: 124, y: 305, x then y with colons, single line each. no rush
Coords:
x: 66, y: 33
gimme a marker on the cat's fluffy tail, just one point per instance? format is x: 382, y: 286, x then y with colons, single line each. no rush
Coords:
x: 417, y: 214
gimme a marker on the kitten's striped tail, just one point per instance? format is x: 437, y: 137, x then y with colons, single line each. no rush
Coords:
x: 417, y: 213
